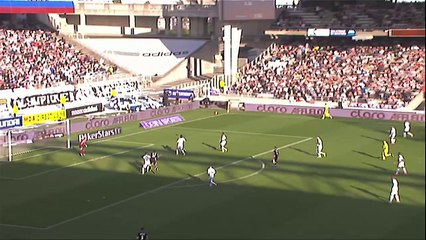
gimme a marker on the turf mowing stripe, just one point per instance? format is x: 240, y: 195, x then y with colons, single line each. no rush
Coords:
x: 240, y: 132
x: 76, y: 164
x: 147, y: 192
x: 165, y: 187
x: 121, y: 136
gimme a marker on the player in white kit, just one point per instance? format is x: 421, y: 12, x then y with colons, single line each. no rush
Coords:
x: 320, y: 153
x: 392, y: 135
x: 223, y: 142
x: 180, y: 145
x: 211, y: 172
x: 146, y: 164
x: 401, y: 165
x: 394, y: 193
x: 407, y: 129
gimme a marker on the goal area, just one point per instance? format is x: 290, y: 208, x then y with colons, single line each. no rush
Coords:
x: 35, y: 138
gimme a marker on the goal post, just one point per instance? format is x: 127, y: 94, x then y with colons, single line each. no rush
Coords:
x: 5, y: 147
x: 233, y: 105
x: 26, y: 140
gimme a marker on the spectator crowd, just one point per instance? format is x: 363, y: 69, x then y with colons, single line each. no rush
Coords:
x: 353, y: 15
x: 386, y: 76
x: 32, y: 57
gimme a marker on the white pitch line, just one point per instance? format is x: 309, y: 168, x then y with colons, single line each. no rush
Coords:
x: 154, y: 129
x: 76, y: 164
x: 30, y: 151
x: 130, y: 142
x: 164, y: 187
x: 241, y: 132
x: 125, y: 135
x: 246, y: 176
x: 226, y: 181
x: 36, y: 155
x: 22, y: 226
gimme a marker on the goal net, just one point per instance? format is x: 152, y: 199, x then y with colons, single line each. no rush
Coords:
x: 4, y: 146
x: 27, y: 140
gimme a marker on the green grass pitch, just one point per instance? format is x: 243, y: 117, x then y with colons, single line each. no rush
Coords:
x: 50, y: 194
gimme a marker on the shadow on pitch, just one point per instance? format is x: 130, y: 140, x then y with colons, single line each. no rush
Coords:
x: 302, y: 151
x: 194, y: 178
x: 210, y: 146
x: 366, y: 154
x: 369, y: 193
x: 136, y: 165
x: 167, y: 148
x: 372, y: 138
x: 375, y: 166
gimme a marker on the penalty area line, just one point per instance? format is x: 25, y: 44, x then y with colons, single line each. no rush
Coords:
x: 240, y: 132
x: 76, y: 164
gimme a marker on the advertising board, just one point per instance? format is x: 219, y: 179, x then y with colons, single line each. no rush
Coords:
x: 159, y: 122
x: 83, y: 110
x: 183, y: 94
x: 103, y: 122
x: 90, y: 136
x: 6, y: 123
x: 132, y: 117
x: 46, y: 99
x: 347, y: 113
x: 318, y: 32
x: 44, y: 117
x: 342, y: 33
x: 407, y: 32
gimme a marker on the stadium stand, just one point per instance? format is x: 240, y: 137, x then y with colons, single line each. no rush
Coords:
x: 368, y: 74
x: 365, y: 15
x: 32, y: 56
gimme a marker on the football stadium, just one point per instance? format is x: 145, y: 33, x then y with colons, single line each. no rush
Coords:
x: 212, y: 119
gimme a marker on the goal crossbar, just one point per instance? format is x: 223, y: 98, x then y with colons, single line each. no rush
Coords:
x: 24, y: 140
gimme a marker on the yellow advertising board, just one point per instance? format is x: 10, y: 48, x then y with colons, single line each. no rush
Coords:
x: 44, y: 117
x: 3, y: 100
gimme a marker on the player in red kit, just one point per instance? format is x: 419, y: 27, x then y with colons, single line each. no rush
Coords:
x: 83, y: 145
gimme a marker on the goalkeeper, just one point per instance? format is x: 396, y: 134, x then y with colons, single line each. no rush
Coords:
x: 326, y: 113
x: 83, y: 145
x: 385, y: 153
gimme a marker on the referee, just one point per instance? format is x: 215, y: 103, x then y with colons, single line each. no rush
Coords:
x: 142, y: 235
